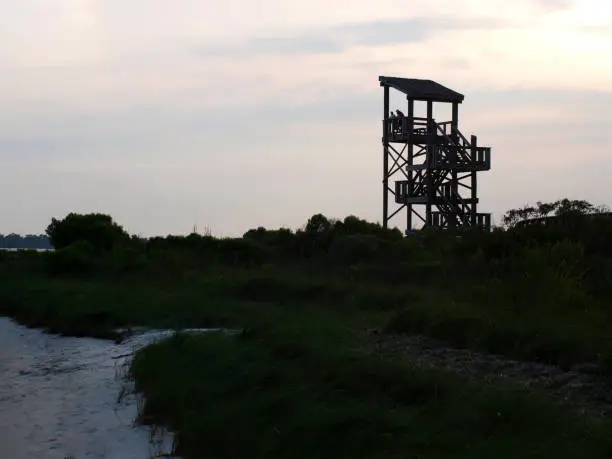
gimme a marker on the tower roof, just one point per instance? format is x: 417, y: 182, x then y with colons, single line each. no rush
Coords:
x: 427, y: 90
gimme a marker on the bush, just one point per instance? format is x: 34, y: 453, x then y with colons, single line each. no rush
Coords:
x: 281, y: 240
x: 355, y: 248
x: 99, y: 230
x: 353, y: 225
x: 76, y: 258
x: 242, y: 252
x: 127, y: 258
x: 549, y: 275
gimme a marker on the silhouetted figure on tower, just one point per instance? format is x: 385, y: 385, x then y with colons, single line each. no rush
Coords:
x: 399, y: 120
x: 392, y: 123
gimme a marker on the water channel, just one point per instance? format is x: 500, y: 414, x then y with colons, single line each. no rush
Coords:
x: 62, y: 398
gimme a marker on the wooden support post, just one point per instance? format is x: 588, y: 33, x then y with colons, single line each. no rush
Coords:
x: 386, y: 158
x: 455, y: 123
x: 454, y: 156
x: 429, y: 162
x: 474, y: 145
x: 410, y: 147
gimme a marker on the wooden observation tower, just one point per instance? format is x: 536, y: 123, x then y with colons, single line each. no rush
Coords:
x: 436, y: 165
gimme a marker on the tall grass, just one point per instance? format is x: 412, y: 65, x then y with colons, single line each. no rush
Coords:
x: 272, y: 394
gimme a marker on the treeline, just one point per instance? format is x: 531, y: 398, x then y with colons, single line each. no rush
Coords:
x: 348, y: 241
x: 93, y: 241
x: 30, y: 241
x: 577, y: 249
x: 561, y: 209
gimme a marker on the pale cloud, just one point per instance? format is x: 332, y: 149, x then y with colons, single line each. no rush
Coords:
x: 337, y: 39
x: 554, y: 5
x: 502, y: 50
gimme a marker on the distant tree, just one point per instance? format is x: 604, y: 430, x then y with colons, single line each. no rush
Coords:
x: 544, y: 208
x: 97, y: 229
x: 318, y: 223
x: 568, y: 207
x: 355, y: 225
x: 30, y: 241
x: 281, y: 238
x: 560, y: 208
x: 513, y: 216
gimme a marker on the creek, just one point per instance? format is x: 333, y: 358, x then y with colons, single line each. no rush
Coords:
x: 63, y: 397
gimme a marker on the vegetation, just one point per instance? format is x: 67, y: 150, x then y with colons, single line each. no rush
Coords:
x: 279, y: 393
x: 98, y: 230
x: 559, y: 209
x: 302, y: 378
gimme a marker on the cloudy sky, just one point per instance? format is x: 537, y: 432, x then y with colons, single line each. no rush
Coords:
x: 233, y: 114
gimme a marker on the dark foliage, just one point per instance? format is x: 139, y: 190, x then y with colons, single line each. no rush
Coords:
x: 97, y: 229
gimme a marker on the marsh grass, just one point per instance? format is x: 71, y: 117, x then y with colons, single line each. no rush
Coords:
x: 271, y: 393
x: 469, y: 315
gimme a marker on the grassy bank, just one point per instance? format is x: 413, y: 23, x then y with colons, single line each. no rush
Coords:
x: 535, y: 323
x: 278, y: 394
x: 300, y: 379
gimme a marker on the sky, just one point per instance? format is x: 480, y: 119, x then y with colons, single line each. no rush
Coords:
x: 234, y: 114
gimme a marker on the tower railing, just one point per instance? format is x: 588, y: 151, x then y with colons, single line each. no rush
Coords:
x: 400, y: 129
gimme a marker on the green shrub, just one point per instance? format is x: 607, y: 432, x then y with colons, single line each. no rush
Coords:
x: 99, y: 230
x: 76, y: 258
x: 262, y: 395
x: 355, y: 248
x: 127, y: 258
x: 243, y: 252
x: 286, y: 290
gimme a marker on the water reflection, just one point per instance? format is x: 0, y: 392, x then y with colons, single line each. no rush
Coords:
x: 60, y: 397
